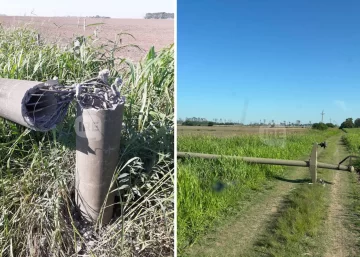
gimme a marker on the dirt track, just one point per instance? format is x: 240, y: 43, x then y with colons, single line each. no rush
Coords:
x: 341, y: 240
x: 239, y: 234
x: 158, y: 33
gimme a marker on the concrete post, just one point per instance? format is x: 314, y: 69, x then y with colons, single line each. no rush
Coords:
x: 313, y: 163
x: 97, y: 152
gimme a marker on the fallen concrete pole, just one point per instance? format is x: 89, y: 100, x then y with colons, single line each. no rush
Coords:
x: 266, y: 161
x: 26, y: 103
x: 98, y: 133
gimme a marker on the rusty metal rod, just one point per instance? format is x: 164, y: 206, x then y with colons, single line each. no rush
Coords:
x: 264, y: 160
x: 350, y: 156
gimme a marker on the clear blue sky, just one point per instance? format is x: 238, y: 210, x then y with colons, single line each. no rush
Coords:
x: 288, y: 60
x: 112, y: 8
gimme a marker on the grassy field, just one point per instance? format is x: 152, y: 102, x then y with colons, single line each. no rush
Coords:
x: 38, y: 216
x: 298, y: 228
x: 231, y: 131
x: 352, y: 140
x: 210, y: 190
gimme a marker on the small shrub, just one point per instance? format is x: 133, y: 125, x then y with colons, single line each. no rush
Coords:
x: 319, y: 126
x: 330, y: 125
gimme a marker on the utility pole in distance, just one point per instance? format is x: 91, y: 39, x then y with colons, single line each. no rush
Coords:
x: 322, y: 116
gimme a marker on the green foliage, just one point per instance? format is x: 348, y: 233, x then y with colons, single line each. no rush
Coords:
x: 348, y: 123
x: 210, y: 123
x: 320, y: 126
x: 195, y: 123
x: 330, y: 125
x: 188, y: 123
x: 357, y: 123
x: 38, y: 216
x: 208, y: 189
x: 352, y: 140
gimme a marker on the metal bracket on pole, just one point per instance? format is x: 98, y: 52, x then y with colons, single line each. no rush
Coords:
x: 350, y: 167
x: 313, y: 163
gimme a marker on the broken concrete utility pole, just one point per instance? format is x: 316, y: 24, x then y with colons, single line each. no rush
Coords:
x: 313, y: 164
x: 41, y: 106
x: 29, y: 103
x: 98, y: 130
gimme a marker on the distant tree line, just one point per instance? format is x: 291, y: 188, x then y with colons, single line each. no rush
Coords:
x: 204, y: 123
x: 194, y: 123
x: 159, y: 15
x: 323, y: 126
x: 349, y: 123
x: 98, y: 16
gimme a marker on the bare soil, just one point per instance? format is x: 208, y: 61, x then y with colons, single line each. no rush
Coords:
x: 147, y: 32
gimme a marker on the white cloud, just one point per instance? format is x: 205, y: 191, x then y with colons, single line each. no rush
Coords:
x: 341, y: 105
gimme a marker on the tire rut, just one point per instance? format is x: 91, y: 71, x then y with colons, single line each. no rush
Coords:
x: 340, y: 239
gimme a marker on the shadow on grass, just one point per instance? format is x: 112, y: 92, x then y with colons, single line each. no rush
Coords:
x: 299, y: 181
x: 296, y: 181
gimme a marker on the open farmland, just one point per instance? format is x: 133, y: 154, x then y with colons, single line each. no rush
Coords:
x: 146, y: 32
x: 232, y: 208
x: 38, y: 214
x: 230, y: 131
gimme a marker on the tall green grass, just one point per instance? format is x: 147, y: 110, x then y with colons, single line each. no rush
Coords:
x: 207, y: 190
x: 38, y: 215
x: 352, y: 140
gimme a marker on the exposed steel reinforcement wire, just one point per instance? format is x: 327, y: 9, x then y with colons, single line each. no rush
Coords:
x: 42, y: 105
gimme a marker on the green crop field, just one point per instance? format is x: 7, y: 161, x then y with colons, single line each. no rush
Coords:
x: 37, y: 213
x: 209, y: 190
x: 352, y: 140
